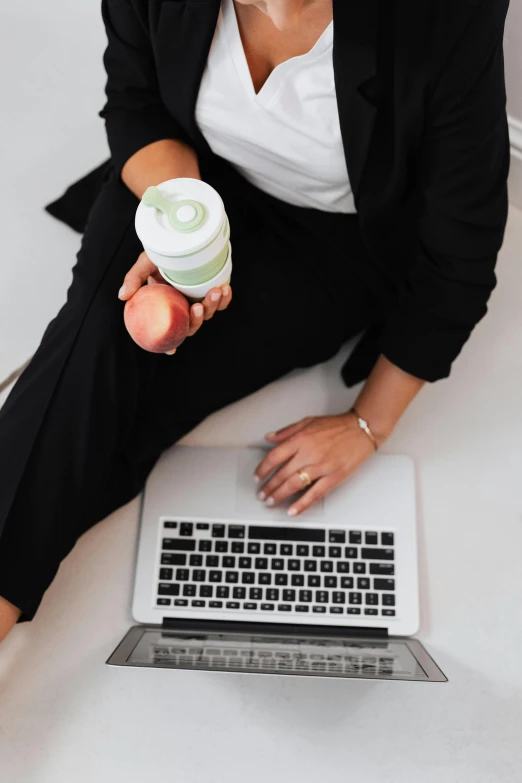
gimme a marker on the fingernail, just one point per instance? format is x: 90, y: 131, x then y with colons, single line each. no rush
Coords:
x: 270, y: 502
x: 170, y: 353
x: 270, y: 435
x: 215, y: 297
x: 256, y: 478
x: 122, y: 291
x: 226, y: 291
x: 261, y: 495
x: 292, y: 512
x: 198, y: 310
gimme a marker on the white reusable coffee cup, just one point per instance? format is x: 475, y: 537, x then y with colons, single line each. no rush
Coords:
x: 184, y: 230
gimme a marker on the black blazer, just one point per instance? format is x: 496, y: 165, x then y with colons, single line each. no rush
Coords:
x: 421, y: 97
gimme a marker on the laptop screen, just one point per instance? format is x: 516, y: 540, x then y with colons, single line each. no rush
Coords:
x: 387, y: 659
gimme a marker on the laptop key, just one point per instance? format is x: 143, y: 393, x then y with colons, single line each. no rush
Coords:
x: 294, y: 533
x: 303, y: 550
x: 288, y: 595
x: 245, y: 562
x: 272, y: 594
x: 255, y: 593
x: 233, y: 605
x: 371, y: 611
x: 336, y: 610
x: 212, y: 561
x: 163, y: 602
x: 353, y: 610
x: 355, y: 598
x: 302, y: 608
x: 267, y: 607
x: 284, y: 607
x: 319, y: 609
x: 294, y: 565
x: 270, y: 549
x: 287, y: 550
x: 314, y: 581
x: 198, y: 604
x: 238, y: 547
x: 298, y: 580
x: 239, y: 593
x: 265, y: 579
x: 189, y: 590
x: 236, y: 531
x: 343, y: 567
x: 346, y: 582
x: 221, y: 546
x: 338, y: 598
x: 179, y: 544
x: 180, y: 602
x: 359, y: 568
x: 186, y: 529
x: 206, y: 591
x: 377, y: 554
x: 334, y: 551
x: 277, y: 564
x: 384, y: 584
x: 371, y: 599
x: 326, y: 566
x: 205, y: 546
x: 310, y: 565
x: 202, y: 526
x: 199, y: 575
x: 387, y: 539
x: 215, y: 576
x: 371, y: 539
x: 248, y: 578
x: 388, y: 612
x: 261, y: 563
x: 337, y: 536
x: 229, y: 562
x: 351, y: 552
x: 254, y: 549
x: 215, y: 604
x: 318, y: 551
x: 388, y: 600
x: 168, y: 558
x: 170, y: 524
x: 355, y: 537
x: 305, y: 596
x: 222, y: 591
x: 196, y: 560
x: 250, y: 606
x: 330, y: 581
x: 321, y: 596
x: 363, y: 584
x: 382, y: 569
x: 218, y: 531
x: 231, y: 577
x: 182, y: 574
x: 165, y: 574
x: 281, y: 579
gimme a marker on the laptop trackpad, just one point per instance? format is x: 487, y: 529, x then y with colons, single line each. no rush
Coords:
x: 247, y: 503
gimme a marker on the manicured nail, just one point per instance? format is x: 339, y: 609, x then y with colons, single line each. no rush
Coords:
x: 226, y: 290
x: 122, y: 291
x: 198, y: 310
x: 261, y: 495
x: 170, y: 353
x: 256, y: 478
x: 270, y: 502
x: 215, y: 297
x: 270, y: 435
x: 292, y: 512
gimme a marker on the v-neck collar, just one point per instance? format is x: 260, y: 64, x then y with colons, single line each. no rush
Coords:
x: 275, y: 79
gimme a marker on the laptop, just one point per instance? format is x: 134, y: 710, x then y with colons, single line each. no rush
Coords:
x: 225, y: 584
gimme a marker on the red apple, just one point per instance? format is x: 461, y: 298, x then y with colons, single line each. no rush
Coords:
x: 157, y: 318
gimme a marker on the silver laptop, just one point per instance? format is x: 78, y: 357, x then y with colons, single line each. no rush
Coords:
x: 225, y: 584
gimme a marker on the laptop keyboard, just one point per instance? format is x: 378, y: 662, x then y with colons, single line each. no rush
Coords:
x: 263, y: 569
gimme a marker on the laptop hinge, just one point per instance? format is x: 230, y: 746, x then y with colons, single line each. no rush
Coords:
x: 226, y: 626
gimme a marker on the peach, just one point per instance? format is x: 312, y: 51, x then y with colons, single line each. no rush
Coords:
x: 157, y: 318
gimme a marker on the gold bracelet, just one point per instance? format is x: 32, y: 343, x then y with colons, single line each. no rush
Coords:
x: 365, y: 428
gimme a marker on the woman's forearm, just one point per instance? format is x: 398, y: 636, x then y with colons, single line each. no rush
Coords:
x: 385, y: 396
x: 157, y: 162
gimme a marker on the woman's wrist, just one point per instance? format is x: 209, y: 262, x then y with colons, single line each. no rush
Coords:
x: 158, y: 162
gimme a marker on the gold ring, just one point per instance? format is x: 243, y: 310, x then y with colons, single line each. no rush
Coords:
x: 305, y: 478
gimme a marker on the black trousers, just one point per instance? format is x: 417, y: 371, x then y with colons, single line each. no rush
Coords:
x: 89, y: 417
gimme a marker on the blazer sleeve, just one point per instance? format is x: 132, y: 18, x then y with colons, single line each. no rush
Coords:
x: 462, y: 169
x: 134, y: 113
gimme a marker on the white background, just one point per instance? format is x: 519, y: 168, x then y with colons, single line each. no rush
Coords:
x: 63, y: 714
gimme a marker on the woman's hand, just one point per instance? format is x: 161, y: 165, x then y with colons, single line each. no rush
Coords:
x: 328, y: 448
x: 144, y: 271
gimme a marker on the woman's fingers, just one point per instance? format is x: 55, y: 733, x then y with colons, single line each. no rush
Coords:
x: 287, y: 432
x: 315, y: 493
x: 274, y: 459
x: 287, y: 483
x: 226, y: 297
x: 211, y: 302
x: 136, y: 276
x: 197, y: 312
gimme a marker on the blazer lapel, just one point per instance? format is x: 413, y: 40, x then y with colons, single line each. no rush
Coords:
x: 182, y: 43
x: 355, y: 64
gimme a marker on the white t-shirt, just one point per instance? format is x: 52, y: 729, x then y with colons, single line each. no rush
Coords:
x: 286, y: 139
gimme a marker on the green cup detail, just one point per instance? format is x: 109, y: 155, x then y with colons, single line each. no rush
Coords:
x: 202, y: 274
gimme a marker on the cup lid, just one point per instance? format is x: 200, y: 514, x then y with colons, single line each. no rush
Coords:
x: 156, y: 231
